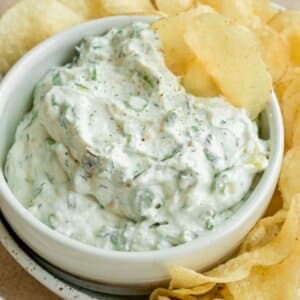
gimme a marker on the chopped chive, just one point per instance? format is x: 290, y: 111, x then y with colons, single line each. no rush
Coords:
x: 94, y: 74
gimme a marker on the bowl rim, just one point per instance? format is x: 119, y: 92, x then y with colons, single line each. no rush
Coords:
x: 222, y: 231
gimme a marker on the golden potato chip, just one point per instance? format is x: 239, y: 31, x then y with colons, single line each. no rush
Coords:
x: 296, y: 131
x: 290, y: 105
x: 285, y: 81
x: 239, y: 11
x: 198, y: 82
x: 89, y: 9
x: 230, y: 54
x: 274, y: 50
x: 264, y: 232
x: 275, y: 204
x: 177, y: 54
x: 285, y: 19
x: 119, y: 7
x: 28, y: 23
x: 292, y: 35
x: 264, y: 9
x: 289, y: 178
x: 173, y: 7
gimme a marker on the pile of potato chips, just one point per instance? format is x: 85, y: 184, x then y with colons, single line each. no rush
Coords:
x: 241, y: 49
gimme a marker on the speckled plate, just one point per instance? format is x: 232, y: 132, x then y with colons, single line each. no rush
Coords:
x: 63, y: 285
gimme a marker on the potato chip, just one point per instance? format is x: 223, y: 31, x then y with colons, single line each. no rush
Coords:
x: 264, y: 232
x: 289, y: 178
x: 285, y: 81
x: 230, y: 54
x: 274, y: 50
x: 292, y: 35
x: 173, y: 7
x: 89, y: 9
x: 264, y: 9
x: 198, y: 82
x: 290, y: 105
x: 296, y: 131
x: 285, y: 19
x: 275, y: 204
x: 239, y: 11
x: 119, y: 7
x: 28, y: 23
x: 177, y: 54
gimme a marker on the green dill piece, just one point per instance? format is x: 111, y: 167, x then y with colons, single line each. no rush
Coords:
x: 56, y: 79
x: 208, y: 225
x: 195, y: 128
x: 136, y: 103
x: 157, y: 224
x: 81, y: 86
x: 50, y: 177
x: 209, y: 155
x: 53, y: 101
x: 94, y: 74
x: 175, y: 151
x: 39, y: 190
x: 33, y: 118
x: 170, y: 117
x: 50, y: 141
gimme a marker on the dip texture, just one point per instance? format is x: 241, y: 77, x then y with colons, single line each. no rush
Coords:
x: 117, y: 155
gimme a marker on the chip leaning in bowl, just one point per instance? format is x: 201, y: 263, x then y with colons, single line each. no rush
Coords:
x: 116, y: 154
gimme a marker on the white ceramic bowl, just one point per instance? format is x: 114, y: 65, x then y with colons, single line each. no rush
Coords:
x: 129, y: 272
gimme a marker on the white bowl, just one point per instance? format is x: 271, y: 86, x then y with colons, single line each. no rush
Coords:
x: 119, y: 271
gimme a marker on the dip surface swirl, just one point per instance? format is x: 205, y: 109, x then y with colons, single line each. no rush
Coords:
x: 116, y: 154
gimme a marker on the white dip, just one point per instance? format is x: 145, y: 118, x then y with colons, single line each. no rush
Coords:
x: 117, y: 155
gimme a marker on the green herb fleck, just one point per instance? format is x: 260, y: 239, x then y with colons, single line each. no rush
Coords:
x: 209, y: 225
x: 82, y: 87
x: 175, y: 151
x: 94, y: 74
x: 56, y: 79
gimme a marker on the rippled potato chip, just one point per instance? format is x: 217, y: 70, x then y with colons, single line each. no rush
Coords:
x: 173, y: 7
x: 198, y: 82
x: 264, y: 9
x: 285, y: 19
x: 292, y: 35
x: 275, y: 204
x: 177, y: 54
x: 230, y: 54
x: 285, y: 81
x: 289, y: 178
x: 237, y: 10
x: 264, y: 231
x: 119, y: 7
x: 290, y: 105
x: 296, y: 131
x: 274, y: 50
x: 28, y: 23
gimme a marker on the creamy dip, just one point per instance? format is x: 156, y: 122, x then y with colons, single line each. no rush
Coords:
x: 117, y: 155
